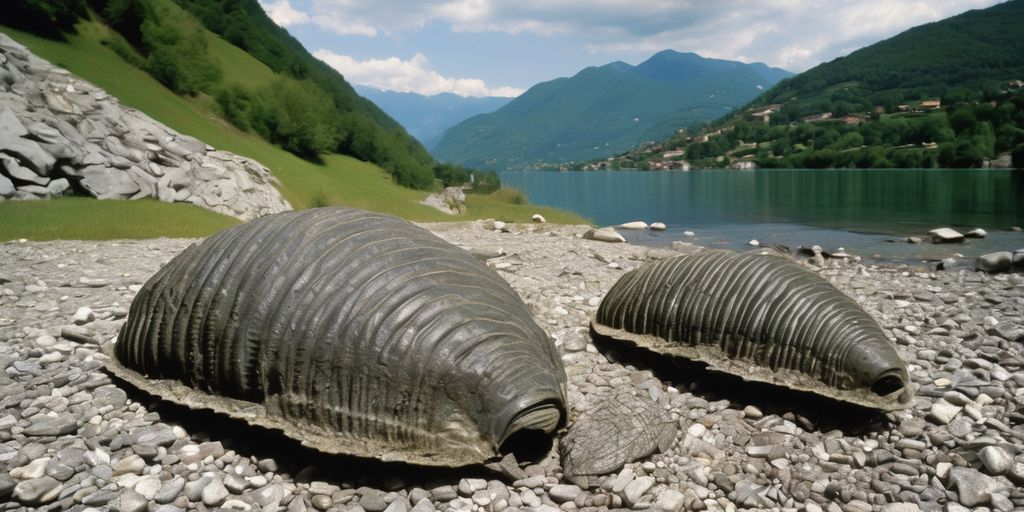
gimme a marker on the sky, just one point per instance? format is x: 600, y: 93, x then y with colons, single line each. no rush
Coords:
x: 503, y: 47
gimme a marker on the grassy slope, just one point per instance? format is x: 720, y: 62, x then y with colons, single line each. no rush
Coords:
x: 340, y: 181
x: 106, y: 220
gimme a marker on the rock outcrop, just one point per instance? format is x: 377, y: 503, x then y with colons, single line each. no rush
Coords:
x: 60, y: 135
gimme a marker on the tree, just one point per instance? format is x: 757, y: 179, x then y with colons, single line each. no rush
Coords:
x: 1017, y: 157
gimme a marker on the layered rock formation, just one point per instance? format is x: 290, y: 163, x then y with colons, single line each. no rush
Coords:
x: 60, y: 135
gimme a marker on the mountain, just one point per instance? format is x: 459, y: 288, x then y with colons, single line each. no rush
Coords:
x: 943, y: 94
x: 605, y: 110
x: 427, y: 117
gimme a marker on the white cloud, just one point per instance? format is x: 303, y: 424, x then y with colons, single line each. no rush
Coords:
x: 283, y: 13
x: 342, y: 27
x: 795, y: 34
x: 414, y: 75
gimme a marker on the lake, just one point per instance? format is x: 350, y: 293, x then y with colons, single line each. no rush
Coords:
x: 860, y: 210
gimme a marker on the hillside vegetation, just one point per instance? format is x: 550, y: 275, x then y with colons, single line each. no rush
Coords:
x: 945, y: 94
x: 294, y: 100
x: 337, y: 180
x: 604, y: 110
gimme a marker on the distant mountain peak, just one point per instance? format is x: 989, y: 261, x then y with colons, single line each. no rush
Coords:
x: 603, y: 110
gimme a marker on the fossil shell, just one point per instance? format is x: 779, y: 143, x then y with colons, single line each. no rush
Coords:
x: 763, y: 318
x: 619, y: 429
x: 353, y: 332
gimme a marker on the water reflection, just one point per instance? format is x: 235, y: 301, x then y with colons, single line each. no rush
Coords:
x: 732, y: 205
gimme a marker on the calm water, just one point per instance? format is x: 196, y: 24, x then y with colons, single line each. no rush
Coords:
x: 856, y: 209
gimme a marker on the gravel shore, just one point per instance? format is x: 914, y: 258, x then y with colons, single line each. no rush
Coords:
x: 72, y: 438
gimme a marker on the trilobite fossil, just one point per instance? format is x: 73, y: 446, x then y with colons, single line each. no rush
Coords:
x: 763, y: 318
x: 353, y: 332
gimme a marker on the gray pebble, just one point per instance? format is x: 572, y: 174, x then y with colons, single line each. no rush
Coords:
x: 37, y: 491
x: 214, y: 494
x: 372, y: 500
x: 131, y: 501
x: 59, y: 425
x: 169, y: 490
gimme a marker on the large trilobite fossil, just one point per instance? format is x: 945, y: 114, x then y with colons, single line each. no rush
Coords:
x: 353, y: 332
x: 763, y: 318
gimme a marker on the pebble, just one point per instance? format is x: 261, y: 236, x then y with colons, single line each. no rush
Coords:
x: 637, y: 488
x: 37, y: 491
x: 131, y: 501
x: 973, y: 487
x: 996, y: 459
x: 214, y: 493
x: 58, y: 425
x: 169, y: 490
x: 943, y: 412
x: 564, y: 493
x: 83, y: 316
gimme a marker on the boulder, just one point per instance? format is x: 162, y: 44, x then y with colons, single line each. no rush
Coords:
x: 10, y: 126
x: 604, y: 235
x: 58, y: 186
x: 36, y: 190
x: 108, y: 183
x: 1018, y: 259
x: 29, y: 153
x: 976, y: 233
x: 18, y: 173
x: 6, y: 187
x: 636, y: 224
x: 539, y: 219
x: 994, y: 262
x: 945, y: 236
x: 658, y: 226
x: 56, y: 102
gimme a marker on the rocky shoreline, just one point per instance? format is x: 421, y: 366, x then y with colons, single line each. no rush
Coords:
x: 71, y: 438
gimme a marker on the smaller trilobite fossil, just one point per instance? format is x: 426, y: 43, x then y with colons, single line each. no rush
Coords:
x: 763, y: 318
x: 352, y: 332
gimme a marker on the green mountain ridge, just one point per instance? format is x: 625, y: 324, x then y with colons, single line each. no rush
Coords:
x: 604, y: 110
x: 943, y: 94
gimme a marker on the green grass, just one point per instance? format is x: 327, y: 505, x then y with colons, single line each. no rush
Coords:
x: 83, y: 218
x: 340, y: 180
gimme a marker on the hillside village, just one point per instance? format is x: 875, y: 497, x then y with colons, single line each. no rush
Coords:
x: 718, y: 146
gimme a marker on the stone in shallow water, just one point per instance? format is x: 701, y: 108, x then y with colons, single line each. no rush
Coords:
x: 994, y: 262
x: 945, y: 235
